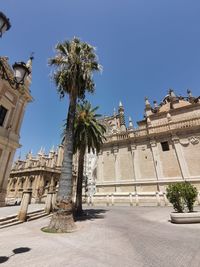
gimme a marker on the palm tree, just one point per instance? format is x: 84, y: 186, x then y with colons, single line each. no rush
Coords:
x: 88, y: 135
x: 74, y: 63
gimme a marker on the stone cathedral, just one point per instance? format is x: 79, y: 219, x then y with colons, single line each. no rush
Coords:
x: 135, y: 163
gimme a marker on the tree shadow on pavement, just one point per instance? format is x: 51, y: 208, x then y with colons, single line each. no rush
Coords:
x: 15, y: 251
x: 91, y: 214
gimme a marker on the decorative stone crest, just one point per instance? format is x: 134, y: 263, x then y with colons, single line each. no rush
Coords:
x: 153, y: 143
x: 115, y: 150
x: 184, y: 142
x: 133, y: 147
x: 194, y: 140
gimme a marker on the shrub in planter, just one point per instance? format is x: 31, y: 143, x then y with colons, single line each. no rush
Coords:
x: 182, y: 196
x: 189, y: 193
x: 174, y: 195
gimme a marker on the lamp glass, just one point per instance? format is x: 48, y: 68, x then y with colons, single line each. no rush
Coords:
x: 20, y: 73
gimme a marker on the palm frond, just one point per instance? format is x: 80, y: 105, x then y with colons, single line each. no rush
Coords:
x: 74, y: 63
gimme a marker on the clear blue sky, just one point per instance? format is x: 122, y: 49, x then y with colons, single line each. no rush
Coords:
x: 145, y: 48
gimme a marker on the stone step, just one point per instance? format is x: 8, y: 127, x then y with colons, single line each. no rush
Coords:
x: 37, y: 216
x: 7, y: 218
x: 9, y: 221
x: 13, y: 220
x: 10, y: 224
x: 35, y: 211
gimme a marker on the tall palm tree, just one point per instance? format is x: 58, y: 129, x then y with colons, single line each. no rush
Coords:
x: 74, y: 63
x: 88, y: 135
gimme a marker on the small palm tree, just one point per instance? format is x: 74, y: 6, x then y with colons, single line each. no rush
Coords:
x: 88, y: 135
x: 74, y: 63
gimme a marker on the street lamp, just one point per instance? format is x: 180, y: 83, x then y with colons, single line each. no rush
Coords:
x: 4, y: 23
x: 21, y: 71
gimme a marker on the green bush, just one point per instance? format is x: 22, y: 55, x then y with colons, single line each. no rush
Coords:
x: 182, y: 196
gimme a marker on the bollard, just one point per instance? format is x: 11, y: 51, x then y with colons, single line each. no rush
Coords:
x: 54, y: 196
x: 92, y: 201
x: 112, y: 200
x: 48, y: 203
x: 131, y: 199
x: 22, y: 215
x: 88, y: 200
x: 165, y: 199
x: 136, y: 200
x: 158, y: 199
x: 107, y: 200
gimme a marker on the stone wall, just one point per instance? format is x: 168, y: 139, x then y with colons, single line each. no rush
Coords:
x: 138, y: 164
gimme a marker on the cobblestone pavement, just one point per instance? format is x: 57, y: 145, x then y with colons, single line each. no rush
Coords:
x: 117, y: 236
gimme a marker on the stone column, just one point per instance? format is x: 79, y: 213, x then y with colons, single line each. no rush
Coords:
x: 165, y: 199
x: 156, y: 159
x: 107, y: 200
x: 158, y: 199
x: 131, y: 199
x: 100, y: 167
x: 54, y: 197
x: 180, y: 157
x: 135, y: 168
x: 52, y: 183
x: 37, y: 188
x: 48, y: 202
x: 60, y: 156
x: 112, y: 200
x: 5, y: 167
x: 136, y: 199
x: 21, y: 115
x: 117, y: 166
x: 136, y: 165
x: 22, y: 215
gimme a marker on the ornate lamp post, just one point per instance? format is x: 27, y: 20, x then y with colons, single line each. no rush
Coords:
x: 4, y: 24
x: 21, y: 71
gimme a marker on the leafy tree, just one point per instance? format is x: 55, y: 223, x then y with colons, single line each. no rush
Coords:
x: 88, y: 136
x: 74, y: 63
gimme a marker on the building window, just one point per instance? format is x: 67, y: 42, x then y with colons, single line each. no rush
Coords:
x: 3, y: 112
x: 165, y: 146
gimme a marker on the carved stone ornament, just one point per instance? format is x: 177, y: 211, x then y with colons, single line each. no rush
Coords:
x: 184, y: 142
x: 175, y: 139
x: 153, y: 143
x: 115, y: 150
x: 133, y: 147
x: 194, y: 140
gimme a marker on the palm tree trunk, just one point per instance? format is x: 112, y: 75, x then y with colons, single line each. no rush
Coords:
x: 79, y: 209
x: 62, y: 220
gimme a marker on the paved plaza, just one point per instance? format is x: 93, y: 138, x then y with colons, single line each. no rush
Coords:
x: 112, y: 236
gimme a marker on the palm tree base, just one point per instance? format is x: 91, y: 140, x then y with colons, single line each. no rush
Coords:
x: 62, y: 222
